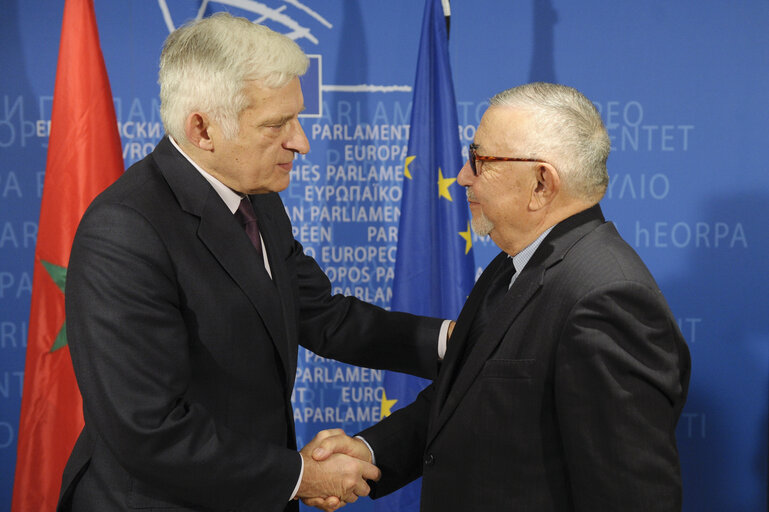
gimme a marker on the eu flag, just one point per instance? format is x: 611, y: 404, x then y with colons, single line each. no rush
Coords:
x: 434, y: 263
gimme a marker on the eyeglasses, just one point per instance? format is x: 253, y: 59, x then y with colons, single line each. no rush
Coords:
x: 473, y: 156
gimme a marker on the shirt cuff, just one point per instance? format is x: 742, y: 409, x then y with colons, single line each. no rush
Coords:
x: 373, y: 459
x: 298, y: 482
x: 442, y: 335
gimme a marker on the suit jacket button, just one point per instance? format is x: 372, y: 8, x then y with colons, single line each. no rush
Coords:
x: 429, y: 459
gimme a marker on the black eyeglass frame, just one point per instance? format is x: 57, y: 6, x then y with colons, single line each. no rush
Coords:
x: 472, y: 156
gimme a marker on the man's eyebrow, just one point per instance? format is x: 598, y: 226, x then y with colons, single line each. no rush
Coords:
x: 281, y: 119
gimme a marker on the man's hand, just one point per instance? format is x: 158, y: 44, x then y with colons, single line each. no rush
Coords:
x: 328, y: 442
x: 338, y: 477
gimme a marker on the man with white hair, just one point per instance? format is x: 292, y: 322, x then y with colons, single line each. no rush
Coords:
x: 187, y: 297
x: 567, y: 372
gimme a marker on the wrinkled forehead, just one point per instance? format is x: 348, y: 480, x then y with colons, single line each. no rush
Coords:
x: 287, y: 99
x: 503, y: 130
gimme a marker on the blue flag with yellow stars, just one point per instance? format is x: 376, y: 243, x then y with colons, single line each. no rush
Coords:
x: 434, y: 263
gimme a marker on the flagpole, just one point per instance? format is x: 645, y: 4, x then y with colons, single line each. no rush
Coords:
x: 447, y: 14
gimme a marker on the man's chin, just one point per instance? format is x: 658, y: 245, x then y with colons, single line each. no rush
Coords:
x: 481, y: 225
x: 280, y: 186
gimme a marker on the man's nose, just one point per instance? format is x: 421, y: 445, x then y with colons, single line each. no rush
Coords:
x: 297, y: 140
x: 465, y: 176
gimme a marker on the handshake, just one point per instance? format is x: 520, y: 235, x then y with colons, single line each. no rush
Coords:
x: 336, y: 467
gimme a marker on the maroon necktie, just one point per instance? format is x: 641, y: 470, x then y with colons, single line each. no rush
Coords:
x: 247, y: 218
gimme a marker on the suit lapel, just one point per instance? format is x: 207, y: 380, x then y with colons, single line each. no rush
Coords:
x: 551, y: 251
x: 524, y: 288
x: 282, y: 281
x: 224, y: 237
x: 459, y: 338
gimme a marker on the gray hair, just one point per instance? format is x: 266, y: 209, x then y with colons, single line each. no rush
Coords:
x: 567, y: 132
x: 205, y: 64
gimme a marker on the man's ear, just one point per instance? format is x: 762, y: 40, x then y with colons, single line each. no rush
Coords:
x: 196, y: 128
x: 546, y: 188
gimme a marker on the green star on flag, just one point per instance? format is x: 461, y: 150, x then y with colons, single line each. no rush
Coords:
x: 59, y: 276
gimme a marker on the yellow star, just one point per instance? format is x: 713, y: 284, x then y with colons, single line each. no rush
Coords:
x: 468, y: 238
x: 406, y: 171
x: 386, y: 405
x: 444, y: 184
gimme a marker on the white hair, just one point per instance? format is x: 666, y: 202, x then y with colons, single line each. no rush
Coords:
x: 567, y: 131
x: 205, y: 64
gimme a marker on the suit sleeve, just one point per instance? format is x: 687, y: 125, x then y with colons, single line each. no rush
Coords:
x: 355, y: 332
x: 620, y: 382
x: 398, y: 443
x: 131, y: 353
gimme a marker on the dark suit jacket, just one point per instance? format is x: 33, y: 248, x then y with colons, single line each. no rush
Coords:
x: 569, y: 398
x: 185, y: 351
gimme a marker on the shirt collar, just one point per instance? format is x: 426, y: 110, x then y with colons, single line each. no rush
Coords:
x: 522, y: 258
x: 230, y: 197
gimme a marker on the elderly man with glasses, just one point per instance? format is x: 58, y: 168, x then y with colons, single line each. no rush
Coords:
x: 567, y: 372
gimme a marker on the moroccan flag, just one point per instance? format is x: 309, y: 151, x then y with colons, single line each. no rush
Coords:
x: 434, y: 263
x: 84, y: 157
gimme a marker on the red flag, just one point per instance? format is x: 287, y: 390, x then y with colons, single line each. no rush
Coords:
x: 84, y: 157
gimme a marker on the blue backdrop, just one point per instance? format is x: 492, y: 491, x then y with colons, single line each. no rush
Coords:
x: 683, y: 88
